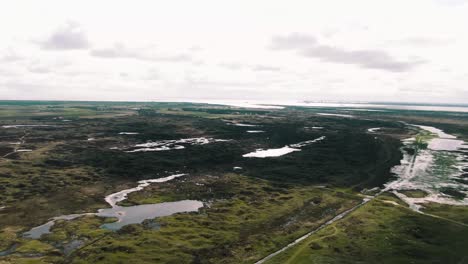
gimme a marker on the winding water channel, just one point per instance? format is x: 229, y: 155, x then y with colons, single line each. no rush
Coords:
x: 126, y: 214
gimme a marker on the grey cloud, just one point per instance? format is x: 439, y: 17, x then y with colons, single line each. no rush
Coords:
x: 308, y: 46
x: 69, y: 37
x: 120, y: 51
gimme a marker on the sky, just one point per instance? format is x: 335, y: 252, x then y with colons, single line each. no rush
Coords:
x: 395, y: 50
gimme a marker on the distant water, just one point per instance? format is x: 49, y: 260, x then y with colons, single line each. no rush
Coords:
x: 278, y: 104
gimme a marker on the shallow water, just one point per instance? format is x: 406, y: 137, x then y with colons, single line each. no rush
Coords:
x: 431, y: 170
x: 38, y: 231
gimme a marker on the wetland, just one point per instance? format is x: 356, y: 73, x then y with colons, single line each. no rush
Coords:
x: 197, y: 183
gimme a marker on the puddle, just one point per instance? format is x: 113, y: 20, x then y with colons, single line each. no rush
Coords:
x: 129, y: 133
x: 255, y: 131
x: 126, y: 214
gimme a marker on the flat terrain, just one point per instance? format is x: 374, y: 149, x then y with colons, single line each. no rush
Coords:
x: 62, y: 158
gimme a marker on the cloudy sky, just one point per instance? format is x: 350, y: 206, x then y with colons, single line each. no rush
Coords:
x: 395, y: 50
